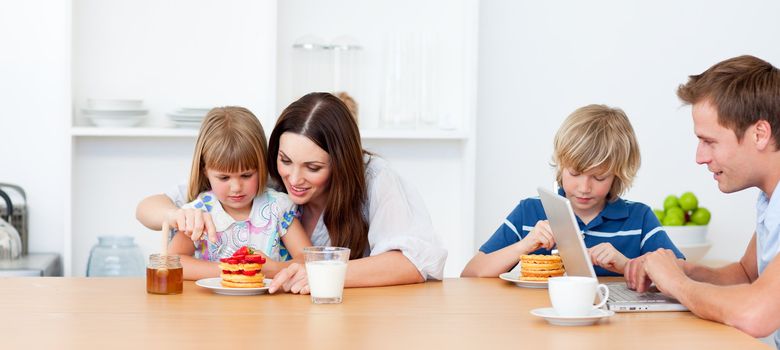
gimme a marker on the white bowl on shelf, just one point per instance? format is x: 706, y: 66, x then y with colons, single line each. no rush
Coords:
x: 694, y: 252
x: 686, y: 235
x: 114, y: 104
x: 114, y: 122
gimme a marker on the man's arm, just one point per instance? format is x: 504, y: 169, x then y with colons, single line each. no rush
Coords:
x: 750, y: 307
x: 744, y: 271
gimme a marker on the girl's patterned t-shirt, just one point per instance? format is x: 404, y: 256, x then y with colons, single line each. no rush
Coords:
x: 272, y: 213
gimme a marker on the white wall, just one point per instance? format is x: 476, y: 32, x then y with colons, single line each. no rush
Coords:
x: 441, y: 170
x: 541, y: 60
x: 170, y: 54
x: 35, y: 94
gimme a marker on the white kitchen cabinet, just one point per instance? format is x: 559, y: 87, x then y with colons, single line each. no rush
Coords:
x: 178, y: 53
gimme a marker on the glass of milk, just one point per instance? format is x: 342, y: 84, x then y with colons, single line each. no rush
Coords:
x: 326, y: 268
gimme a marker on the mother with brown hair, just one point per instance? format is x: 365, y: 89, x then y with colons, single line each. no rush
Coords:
x: 346, y: 197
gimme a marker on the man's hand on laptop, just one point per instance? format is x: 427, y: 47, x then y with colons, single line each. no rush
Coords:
x: 664, y: 269
x: 636, y: 276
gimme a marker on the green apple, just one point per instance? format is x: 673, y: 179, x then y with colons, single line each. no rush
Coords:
x: 674, y: 217
x: 688, y: 201
x: 671, y: 201
x: 673, y: 220
x: 701, y: 216
x: 691, y: 223
x: 659, y: 214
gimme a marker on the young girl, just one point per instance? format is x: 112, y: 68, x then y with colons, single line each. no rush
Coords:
x: 596, y: 156
x: 228, y: 181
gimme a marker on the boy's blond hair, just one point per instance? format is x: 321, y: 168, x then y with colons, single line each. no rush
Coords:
x: 231, y: 140
x: 598, y: 137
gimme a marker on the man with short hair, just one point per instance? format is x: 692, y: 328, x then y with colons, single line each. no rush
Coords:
x: 736, y: 116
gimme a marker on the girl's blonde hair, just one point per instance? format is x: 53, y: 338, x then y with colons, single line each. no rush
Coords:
x: 231, y: 140
x: 598, y: 137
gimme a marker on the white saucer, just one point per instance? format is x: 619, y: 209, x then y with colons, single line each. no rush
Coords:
x: 514, y: 277
x: 552, y: 317
x: 215, y: 284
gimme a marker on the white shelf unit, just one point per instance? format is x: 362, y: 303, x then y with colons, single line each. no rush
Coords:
x: 123, y: 49
x: 366, y: 134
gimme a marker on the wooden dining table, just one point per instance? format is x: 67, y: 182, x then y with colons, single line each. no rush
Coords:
x: 459, y: 313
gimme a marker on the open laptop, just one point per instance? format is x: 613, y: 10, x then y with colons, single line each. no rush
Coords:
x: 576, y: 259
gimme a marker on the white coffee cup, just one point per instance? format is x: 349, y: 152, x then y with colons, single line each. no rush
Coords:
x: 574, y: 295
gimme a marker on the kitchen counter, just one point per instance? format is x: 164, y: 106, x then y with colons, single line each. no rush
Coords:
x: 79, y: 313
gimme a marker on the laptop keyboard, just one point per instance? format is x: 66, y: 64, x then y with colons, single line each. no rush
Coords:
x: 621, y: 293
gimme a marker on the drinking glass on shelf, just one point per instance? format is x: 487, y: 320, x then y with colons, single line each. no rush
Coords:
x: 115, y: 256
x: 326, y: 268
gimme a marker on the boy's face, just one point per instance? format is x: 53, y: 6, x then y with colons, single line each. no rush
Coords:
x: 726, y: 157
x: 235, y: 191
x: 587, y: 191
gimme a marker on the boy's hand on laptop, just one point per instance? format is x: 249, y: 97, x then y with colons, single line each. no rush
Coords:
x: 539, y: 237
x: 606, y: 256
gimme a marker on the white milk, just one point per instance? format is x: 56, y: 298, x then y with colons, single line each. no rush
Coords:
x: 326, y: 278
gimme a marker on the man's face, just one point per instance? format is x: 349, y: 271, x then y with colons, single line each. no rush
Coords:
x: 730, y: 160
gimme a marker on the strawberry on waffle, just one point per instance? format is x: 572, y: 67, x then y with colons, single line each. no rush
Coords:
x: 242, y: 270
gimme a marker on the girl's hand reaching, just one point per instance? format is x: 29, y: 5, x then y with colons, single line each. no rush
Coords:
x: 606, y: 256
x: 539, y: 237
x: 193, y: 223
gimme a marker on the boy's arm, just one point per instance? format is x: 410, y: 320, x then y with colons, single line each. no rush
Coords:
x: 194, y: 269
x: 500, y: 261
x: 750, y: 307
x: 495, y: 263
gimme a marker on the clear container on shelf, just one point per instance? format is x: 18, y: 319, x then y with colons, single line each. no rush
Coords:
x: 410, y: 96
x: 115, y: 256
x: 311, y: 66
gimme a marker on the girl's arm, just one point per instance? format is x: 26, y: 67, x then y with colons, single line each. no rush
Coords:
x: 294, y: 240
x: 155, y: 209
x: 194, y: 269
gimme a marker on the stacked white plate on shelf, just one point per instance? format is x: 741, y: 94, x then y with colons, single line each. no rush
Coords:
x: 188, y: 117
x: 115, y: 112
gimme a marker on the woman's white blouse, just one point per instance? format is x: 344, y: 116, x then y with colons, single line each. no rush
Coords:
x: 397, y: 220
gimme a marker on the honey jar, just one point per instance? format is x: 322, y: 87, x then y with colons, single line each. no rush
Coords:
x: 164, y: 274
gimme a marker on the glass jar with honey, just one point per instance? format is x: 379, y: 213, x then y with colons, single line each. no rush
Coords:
x: 164, y: 274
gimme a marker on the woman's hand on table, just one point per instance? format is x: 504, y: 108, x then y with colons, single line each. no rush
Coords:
x: 292, y: 279
x: 193, y: 223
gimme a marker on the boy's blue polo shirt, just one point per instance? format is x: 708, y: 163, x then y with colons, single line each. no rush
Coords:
x: 631, y: 227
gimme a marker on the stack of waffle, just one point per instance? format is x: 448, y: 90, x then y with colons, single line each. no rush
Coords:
x: 540, y: 267
x: 242, y: 270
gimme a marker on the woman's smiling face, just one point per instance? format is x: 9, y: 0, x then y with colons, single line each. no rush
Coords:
x: 304, y: 168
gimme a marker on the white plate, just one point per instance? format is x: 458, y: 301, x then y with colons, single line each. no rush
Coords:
x: 107, y: 113
x: 514, y: 277
x: 215, y: 284
x: 552, y: 317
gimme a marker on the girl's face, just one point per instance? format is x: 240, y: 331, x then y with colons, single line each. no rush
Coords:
x: 235, y: 191
x: 587, y: 191
x: 304, y: 168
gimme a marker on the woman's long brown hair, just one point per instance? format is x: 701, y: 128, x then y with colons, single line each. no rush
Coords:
x: 325, y: 120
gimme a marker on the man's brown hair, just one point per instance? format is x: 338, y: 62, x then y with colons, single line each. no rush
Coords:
x: 742, y: 89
